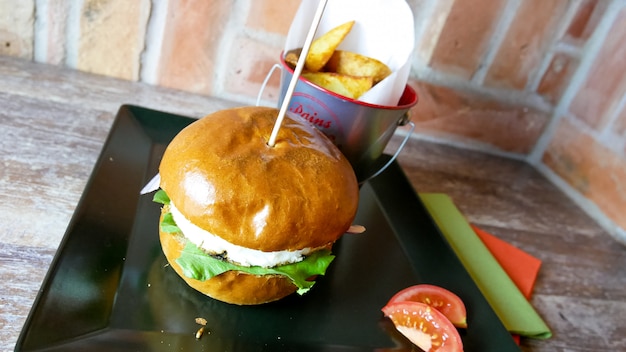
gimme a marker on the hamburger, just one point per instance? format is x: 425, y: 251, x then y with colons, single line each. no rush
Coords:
x: 248, y: 223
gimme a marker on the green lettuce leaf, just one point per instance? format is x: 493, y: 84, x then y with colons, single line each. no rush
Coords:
x: 168, y: 225
x: 200, y: 266
x: 161, y: 197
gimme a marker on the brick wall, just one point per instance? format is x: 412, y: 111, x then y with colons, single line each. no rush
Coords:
x: 540, y: 80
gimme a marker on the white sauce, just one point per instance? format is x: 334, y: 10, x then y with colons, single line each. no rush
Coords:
x: 237, y: 254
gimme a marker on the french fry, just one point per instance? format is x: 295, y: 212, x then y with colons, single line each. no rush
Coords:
x: 342, y: 72
x: 348, y: 86
x: 292, y: 57
x: 353, y: 64
x: 323, y: 47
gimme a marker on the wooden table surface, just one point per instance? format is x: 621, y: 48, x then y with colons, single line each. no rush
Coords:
x: 55, y: 121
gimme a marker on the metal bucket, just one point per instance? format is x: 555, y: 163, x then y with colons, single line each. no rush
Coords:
x: 360, y: 130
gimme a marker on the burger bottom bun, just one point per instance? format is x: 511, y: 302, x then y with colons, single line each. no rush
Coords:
x: 234, y: 287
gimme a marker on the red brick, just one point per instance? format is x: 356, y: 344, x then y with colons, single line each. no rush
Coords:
x: 465, y: 36
x: 590, y: 168
x: 585, y: 21
x: 557, y: 77
x: 606, y: 81
x: 475, y: 118
x: 190, y: 44
x: 112, y: 37
x: 525, y: 43
x: 250, y: 61
x: 272, y: 16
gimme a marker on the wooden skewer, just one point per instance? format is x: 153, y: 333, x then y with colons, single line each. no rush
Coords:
x: 297, y: 71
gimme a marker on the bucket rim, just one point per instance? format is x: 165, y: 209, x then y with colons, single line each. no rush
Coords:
x: 408, y: 99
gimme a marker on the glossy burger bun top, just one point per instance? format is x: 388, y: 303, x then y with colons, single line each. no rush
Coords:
x: 223, y: 176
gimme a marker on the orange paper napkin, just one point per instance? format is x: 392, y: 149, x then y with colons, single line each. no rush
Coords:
x: 521, y: 267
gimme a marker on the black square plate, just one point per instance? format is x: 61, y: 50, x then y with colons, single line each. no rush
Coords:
x: 109, y: 289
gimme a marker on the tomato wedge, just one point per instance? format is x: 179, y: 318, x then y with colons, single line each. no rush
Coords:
x: 437, y: 297
x: 424, y: 326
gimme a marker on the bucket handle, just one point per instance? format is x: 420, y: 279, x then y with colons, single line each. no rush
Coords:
x: 267, y: 78
x: 404, y: 121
